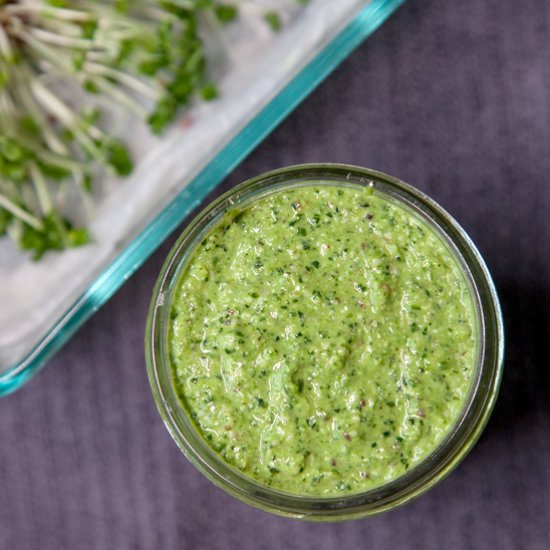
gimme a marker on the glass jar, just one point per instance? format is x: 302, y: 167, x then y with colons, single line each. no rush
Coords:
x: 429, y: 471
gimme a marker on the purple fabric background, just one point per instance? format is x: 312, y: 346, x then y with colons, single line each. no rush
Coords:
x: 453, y: 97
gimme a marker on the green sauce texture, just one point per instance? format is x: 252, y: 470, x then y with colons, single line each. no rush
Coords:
x: 323, y: 340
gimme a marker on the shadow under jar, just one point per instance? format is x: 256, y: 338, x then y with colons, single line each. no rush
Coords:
x: 324, y: 342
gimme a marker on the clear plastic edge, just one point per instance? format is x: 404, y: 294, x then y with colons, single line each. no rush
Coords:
x: 128, y: 261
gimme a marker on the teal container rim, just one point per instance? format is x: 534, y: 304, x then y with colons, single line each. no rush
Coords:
x: 130, y: 259
x: 455, y: 446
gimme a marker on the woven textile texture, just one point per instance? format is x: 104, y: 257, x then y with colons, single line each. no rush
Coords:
x: 453, y: 97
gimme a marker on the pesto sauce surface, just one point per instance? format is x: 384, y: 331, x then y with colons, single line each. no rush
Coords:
x: 323, y: 340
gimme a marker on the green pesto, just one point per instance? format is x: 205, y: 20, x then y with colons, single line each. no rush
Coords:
x: 323, y: 340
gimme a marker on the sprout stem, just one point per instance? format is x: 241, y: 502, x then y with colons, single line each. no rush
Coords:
x: 152, y: 92
x: 49, y: 11
x: 41, y: 189
x: 23, y: 215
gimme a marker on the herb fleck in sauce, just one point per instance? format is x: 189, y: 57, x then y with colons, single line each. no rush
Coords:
x: 323, y: 340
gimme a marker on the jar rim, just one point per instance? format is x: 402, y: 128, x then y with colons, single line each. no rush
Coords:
x: 430, y: 470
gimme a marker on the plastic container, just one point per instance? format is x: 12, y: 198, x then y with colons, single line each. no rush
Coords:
x: 263, y: 77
